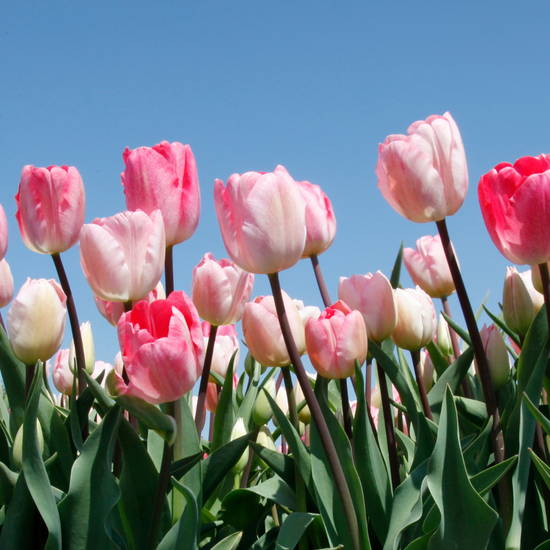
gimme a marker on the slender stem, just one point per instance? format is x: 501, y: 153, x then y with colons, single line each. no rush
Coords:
x: 320, y: 280
x: 211, y: 431
x: 317, y: 415
x: 279, y: 380
x: 415, y: 355
x: 29, y: 375
x: 368, y: 382
x: 199, y: 416
x: 169, y: 271
x: 346, y: 411
x: 388, y: 423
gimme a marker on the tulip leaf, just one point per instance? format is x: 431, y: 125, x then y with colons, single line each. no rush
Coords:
x: 370, y: 464
x: 458, y: 329
x: 280, y: 464
x: 454, y: 495
x: 472, y: 410
x: 8, y: 479
x: 396, y: 270
x: 73, y: 420
x: 93, y: 492
x: 477, y: 444
x: 543, y: 421
x: 501, y: 324
x: 274, y: 489
x: 225, y: 417
x: 293, y: 528
x: 542, y: 467
x: 13, y: 376
x: 486, y: 480
x: 267, y: 541
x: 229, y: 543
x: 149, y: 415
x: 439, y: 361
x: 35, y: 470
x: 245, y: 410
x: 103, y: 400
x: 179, y: 468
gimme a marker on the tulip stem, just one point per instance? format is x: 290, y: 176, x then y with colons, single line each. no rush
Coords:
x: 545, y: 280
x: 320, y: 280
x: 169, y: 271
x: 317, y: 415
x: 199, y: 415
x: 415, y: 355
x: 29, y: 376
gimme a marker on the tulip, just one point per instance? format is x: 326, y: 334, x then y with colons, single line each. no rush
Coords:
x: 265, y: 439
x: 89, y: 351
x: 262, y: 331
x: 50, y: 208
x: 497, y: 355
x: 62, y: 375
x: 306, y: 312
x: 416, y: 324
x: 304, y: 415
x: 238, y: 431
x: 336, y: 340
x: 220, y: 290
x: 262, y: 220
x: 225, y: 345
x: 6, y: 283
x: 428, y: 267
x: 444, y: 341
x: 36, y: 320
x: 320, y: 219
x: 18, y: 444
x: 212, y: 394
x: 122, y: 257
x: 164, y: 177
x: 533, y: 284
x: 3, y: 233
x: 424, y: 175
x: 517, y: 306
x: 261, y: 412
x: 513, y: 202
x: 162, y: 348
x: 427, y: 370
x: 282, y: 403
x: 371, y: 295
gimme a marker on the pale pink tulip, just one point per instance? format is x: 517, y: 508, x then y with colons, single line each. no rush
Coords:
x: 306, y: 312
x: 517, y: 306
x: 6, y: 283
x: 497, y: 355
x: 320, y: 219
x: 220, y: 290
x: 424, y: 175
x: 530, y: 277
x: 336, y: 340
x: 417, y: 322
x: 62, y: 375
x: 262, y: 220
x: 122, y: 257
x: 262, y: 331
x: 371, y: 295
x: 225, y: 345
x: 3, y: 233
x: 428, y: 267
x: 212, y: 394
x: 36, y: 320
x: 427, y: 370
x: 162, y: 347
x: 164, y: 177
x: 50, y: 208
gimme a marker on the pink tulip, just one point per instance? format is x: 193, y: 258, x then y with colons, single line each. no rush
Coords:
x: 220, y: 290
x: 62, y: 375
x: 533, y: 284
x: 212, y: 394
x: 336, y: 340
x: 164, y: 177
x: 513, y: 202
x: 371, y: 295
x: 517, y: 306
x: 262, y: 331
x: 417, y: 322
x: 262, y: 220
x: 50, y: 208
x: 3, y: 233
x: 36, y: 320
x: 428, y: 267
x: 306, y: 312
x: 6, y: 283
x: 320, y: 219
x: 497, y: 355
x: 225, y: 345
x: 424, y: 175
x: 162, y: 347
x: 122, y: 257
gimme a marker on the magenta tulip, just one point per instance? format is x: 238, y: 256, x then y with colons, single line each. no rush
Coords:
x: 513, y: 202
x: 50, y: 208
x: 428, y: 267
x: 162, y: 347
x: 3, y: 233
x: 220, y: 290
x: 336, y: 340
x: 262, y: 220
x: 424, y: 175
x: 122, y: 257
x: 320, y: 219
x: 6, y: 283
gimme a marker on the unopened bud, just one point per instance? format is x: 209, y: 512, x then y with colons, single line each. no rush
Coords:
x: 517, y: 306
x: 261, y: 412
x: 238, y: 431
x: 18, y: 445
x: 89, y: 351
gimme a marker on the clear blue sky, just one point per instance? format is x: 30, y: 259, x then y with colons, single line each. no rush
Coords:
x: 312, y: 85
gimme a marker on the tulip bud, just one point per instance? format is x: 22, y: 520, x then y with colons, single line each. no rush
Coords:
x: 238, y: 431
x: 517, y: 306
x: 497, y: 355
x: 427, y: 370
x: 536, y: 296
x: 89, y: 351
x: 265, y: 439
x: 18, y: 445
x: 444, y: 342
x: 282, y: 403
x: 6, y: 283
x: 306, y: 312
x: 261, y: 412
x: 304, y: 415
x: 62, y: 374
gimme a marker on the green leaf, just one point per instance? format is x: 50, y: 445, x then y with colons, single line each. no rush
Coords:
x: 472, y: 410
x: 267, y: 541
x: 543, y: 421
x: 501, y: 324
x: 180, y: 467
x: 472, y: 449
x: 292, y: 530
x: 438, y: 359
x: 459, y: 503
x: 274, y: 489
x: 486, y: 480
x: 245, y: 410
x: 458, y: 329
x: 93, y: 492
x: 543, y: 468
x: 35, y: 470
x: 282, y: 465
x: 8, y: 479
x: 225, y: 417
x: 229, y: 543
x: 396, y: 271
x: 103, y: 400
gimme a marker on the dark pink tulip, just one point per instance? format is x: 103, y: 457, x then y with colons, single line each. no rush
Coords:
x: 515, y: 203
x: 50, y: 208
x: 162, y: 348
x: 164, y: 177
x: 3, y: 233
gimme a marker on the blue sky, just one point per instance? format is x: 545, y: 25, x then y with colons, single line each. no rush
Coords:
x: 314, y: 86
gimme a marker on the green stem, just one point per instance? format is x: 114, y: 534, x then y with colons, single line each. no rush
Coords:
x: 199, y: 415
x: 421, y: 386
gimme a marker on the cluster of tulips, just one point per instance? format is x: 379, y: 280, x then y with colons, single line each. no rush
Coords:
x: 435, y: 456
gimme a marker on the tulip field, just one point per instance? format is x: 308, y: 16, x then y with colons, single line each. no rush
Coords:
x: 414, y: 432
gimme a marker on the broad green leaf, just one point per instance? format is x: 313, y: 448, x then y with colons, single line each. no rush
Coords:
x: 74, y: 422
x: 472, y: 410
x: 458, y: 329
x: 229, y: 543
x: 439, y: 361
x: 420, y: 543
x: 543, y: 421
x: 225, y: 417
x: 267, y: 541
x: 8, y: 479
x: 501, y: 324
x: 292, y: 530
x: 149, y: 415
x: 486, y: 480
x: 13, y: 376
x: 472, y: 449
x: 282, y: 465
x: 544, y: 546
x: 450, y: 487
x: 182, y: 466
x: 245, y: 410
x: 243, y: 509
x: 543, y: 468
x: 396, y: 270
x: 103, y: 400
x: 274, y: 489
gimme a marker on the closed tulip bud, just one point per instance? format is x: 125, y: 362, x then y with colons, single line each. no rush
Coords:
x: 265, y: 439
x: 535, y: 288
x: 320, y: 219
x: 444, y: 342
x: 262, y: 331
x: 416, y: 323
x: 238, y: 431
x: 306, y: 312
x: 282, y: 403
x: 62, y: 375
x: 119, y: 364
x: 262, y: 219
x: 3, y: 233
x: 424, y: 175
x: 18, y: 445
x: 6, y: 283
x: 164, y: 177
x: 220, y: 290
x: 336, y: 340
x: 261, y: 412
x: 427, y: 370
x: 122, y: 257
x: 36, y: 320
x: 89, y: 350
x: 213, y: 393
x: 304, y: 415
x: 517, y: 306
x: 428, y: 267
x: 497, y: 355
x: 225, y: 345
x: 371, y: 295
